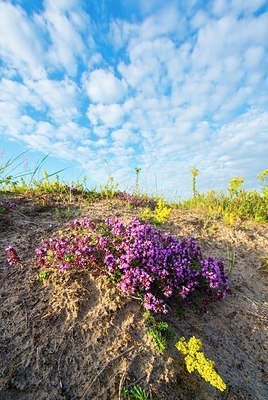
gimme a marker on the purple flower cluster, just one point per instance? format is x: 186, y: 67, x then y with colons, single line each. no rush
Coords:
x: 6, y: 204
x: 73, y: 189
x: 67, y: 251
x: 142, y: 260
x: 135, y: 200
x: 12, y: 256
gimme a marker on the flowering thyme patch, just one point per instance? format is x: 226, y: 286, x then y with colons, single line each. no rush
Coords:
x: 143, y: 261
x: 12, y: 256
x: 135, y: 200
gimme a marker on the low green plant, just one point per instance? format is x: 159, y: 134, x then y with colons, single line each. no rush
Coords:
x: 146, y: 214
x: 110, y: 188
x: 229, y: 218
x: 160, y: 214
x: 263, y: 178
x: 237, y: 204
x: 136, y: 393
x: 17, y: 182
x: 137, y: 182
x: 196, y: 360
x: 63, y: 212
x: 42, y: 276
x: 7, y: 176
x: 20, y: 186
x: 194, y: 173
x: 158, y: 338
x: 264, y: 265
x: 230, y: 260
x: 235, y: 185
x: 159, y: 331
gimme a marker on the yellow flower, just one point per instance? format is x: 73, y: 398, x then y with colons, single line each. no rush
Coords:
x: 182, y: 345
x: 190, y: 363
x: 194, y: 345
x: 196, y: 359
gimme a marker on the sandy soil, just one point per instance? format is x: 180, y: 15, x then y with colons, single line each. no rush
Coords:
x: 76, y: 336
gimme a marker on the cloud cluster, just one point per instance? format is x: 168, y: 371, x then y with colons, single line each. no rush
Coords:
x: 174, y: 87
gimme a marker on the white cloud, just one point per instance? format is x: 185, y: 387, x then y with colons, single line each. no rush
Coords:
x: 164, y: 22
x: 228, y: 36
x: 61, y: 5
x: 149, y: 6
x: 63, y: 27
x: 253, y: 56
x: 38, y: 142
x: 124, y: 136
x: 60, y: 97
x: 43, y: 129
x: 200, y: 19
x: 183, y: 90
x: 21, y: 44
x: 8, y: 112
x: 120, y: 32
x: 16, y: 92
x: 110, y: 115
x: 104, y: 87
x: 73, y: 132
x: 100, y: 131
x: 236, y: 7
x: 220, y: 7
x: 249, y: 6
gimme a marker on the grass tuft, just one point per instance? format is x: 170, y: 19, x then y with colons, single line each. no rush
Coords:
x: 136, y: 393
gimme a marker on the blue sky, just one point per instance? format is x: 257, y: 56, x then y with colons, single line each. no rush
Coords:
x: 104, y: 86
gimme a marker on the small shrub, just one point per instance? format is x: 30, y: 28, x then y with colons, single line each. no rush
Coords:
x: 140, y: 259
x: 159, y: 215
x: 146, y: 214
x: 109, y: 189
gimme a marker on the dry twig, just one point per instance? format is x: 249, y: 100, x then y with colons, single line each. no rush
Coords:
x: 103, y: 369
x: 121, y: 385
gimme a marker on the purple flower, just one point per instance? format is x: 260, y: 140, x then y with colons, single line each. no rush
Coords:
x: 12, y: 256
x: 143, y: 261
x: 6, y: 204
x: 154, y: 304
x: 63, y: 266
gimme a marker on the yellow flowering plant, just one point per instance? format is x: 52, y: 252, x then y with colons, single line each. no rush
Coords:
x: 159, y: 215
x: 196, y: 360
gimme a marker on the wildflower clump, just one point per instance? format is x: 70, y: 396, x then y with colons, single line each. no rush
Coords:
x: 140, y: 259
x: 159, y: 215
x: 196, y: 360
x: 6, y: 205
x: 12, y: 256
x: 135, y: 200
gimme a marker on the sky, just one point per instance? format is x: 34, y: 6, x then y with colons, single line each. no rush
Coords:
x: 104, y: 86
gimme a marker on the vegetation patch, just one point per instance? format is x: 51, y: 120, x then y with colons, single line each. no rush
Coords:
x: 73, y: 305
x: 139, y: 258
